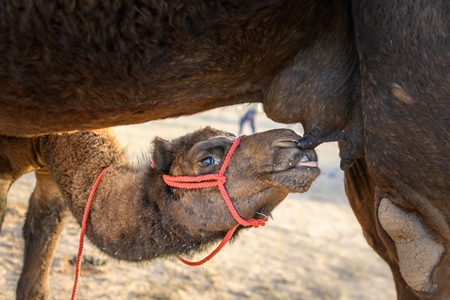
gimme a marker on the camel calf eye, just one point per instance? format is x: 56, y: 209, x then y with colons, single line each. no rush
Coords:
x: 208, y: 161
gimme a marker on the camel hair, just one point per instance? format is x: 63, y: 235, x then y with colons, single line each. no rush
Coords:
x: 135, y: 216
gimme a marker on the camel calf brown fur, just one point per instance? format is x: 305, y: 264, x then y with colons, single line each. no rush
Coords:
x: 135, y: 216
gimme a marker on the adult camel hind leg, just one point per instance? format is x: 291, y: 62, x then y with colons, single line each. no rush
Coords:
x: 360, y: 191
x: 42, y: 230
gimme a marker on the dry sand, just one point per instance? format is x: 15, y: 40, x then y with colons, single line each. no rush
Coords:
x: 312, y: 249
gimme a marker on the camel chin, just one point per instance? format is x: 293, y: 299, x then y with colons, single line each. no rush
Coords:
x: 295, y: 180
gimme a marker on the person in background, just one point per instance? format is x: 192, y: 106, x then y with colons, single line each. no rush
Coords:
x: 249, y: 117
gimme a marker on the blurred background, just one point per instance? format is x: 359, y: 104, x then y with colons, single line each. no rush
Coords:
x: 313, y: 248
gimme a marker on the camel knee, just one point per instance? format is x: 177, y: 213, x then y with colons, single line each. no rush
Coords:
x: 417, y: 250
x: 46, y: 209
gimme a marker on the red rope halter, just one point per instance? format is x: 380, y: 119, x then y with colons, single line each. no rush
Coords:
x: 185, y: 182
x: 212, y: 180
x: 208, y: 181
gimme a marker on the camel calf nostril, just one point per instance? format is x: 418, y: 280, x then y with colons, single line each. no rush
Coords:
x: 309, y: 155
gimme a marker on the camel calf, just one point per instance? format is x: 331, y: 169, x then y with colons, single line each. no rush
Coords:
x: 138, y: 212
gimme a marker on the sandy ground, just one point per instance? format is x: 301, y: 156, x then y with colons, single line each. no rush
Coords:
x: 312, y: 249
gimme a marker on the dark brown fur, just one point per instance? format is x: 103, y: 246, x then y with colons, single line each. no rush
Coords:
x: 404, y: 52
x: 135, y: 216
x: 99, y: 64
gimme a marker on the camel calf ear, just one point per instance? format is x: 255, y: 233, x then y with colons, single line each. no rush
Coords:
x: 162, y: 155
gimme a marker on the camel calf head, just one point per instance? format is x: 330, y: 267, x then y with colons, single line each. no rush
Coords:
x: 264, y: 169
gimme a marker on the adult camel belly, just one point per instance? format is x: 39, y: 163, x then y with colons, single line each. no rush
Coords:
x: 73, y: 66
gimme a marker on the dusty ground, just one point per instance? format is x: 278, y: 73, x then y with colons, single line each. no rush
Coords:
x: 312, y: 249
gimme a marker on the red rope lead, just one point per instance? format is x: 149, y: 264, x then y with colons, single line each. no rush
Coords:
x: 83, y: 230
x: 212, y: 254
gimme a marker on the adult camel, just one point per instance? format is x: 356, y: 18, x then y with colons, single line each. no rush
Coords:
x: 372, y: 75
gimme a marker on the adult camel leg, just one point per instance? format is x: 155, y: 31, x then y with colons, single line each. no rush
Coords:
x: 360, y: 191
x: 42, y: 230
x: 5, y: 184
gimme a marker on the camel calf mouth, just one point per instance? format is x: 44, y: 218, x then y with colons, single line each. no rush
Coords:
x: 278, y: 159
x: 303, y: 165
x: 305, y: 162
